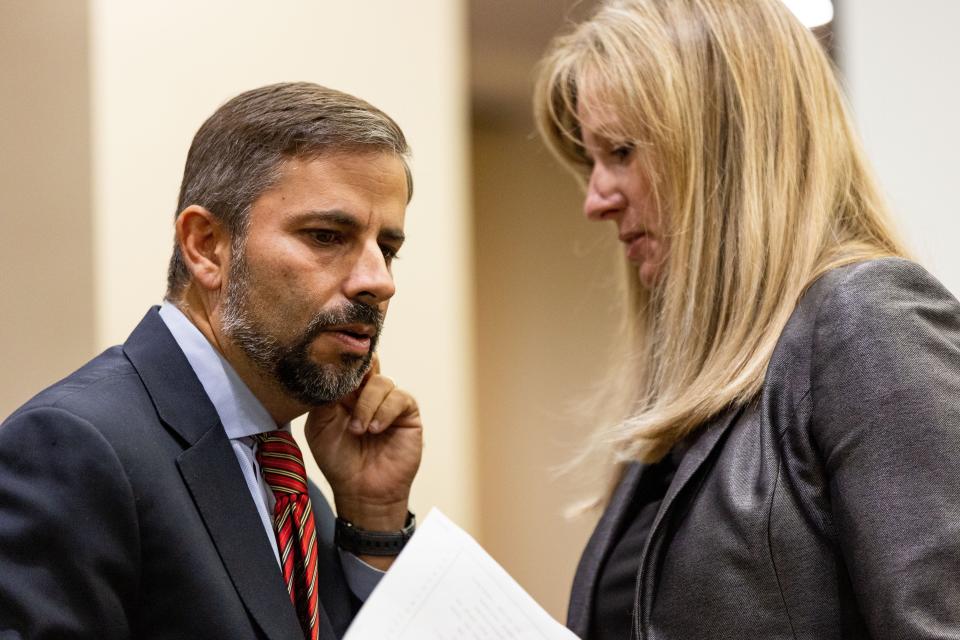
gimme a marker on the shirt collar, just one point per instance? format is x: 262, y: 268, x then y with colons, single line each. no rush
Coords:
x: 240, y: 412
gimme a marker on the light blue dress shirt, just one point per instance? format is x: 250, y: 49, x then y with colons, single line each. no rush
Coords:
x: 243, y: 417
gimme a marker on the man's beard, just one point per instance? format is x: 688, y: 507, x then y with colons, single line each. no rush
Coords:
x: 288, y: 362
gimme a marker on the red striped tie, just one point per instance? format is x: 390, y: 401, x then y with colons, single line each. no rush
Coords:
x: 282, y: 466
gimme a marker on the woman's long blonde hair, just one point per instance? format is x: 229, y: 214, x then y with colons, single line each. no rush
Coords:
x: 762, y: 184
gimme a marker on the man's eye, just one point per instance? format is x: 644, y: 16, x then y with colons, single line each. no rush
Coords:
x: 325, y: 237
x: 389, y: 253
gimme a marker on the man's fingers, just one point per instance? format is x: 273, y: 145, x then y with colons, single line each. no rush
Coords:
x: 393, y: 406
x: 374, y: 392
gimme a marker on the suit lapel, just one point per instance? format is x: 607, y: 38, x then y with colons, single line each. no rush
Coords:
x: 612, y: 521
x: 706, y: 441
x: 210, y: 471
x: 599, y: 545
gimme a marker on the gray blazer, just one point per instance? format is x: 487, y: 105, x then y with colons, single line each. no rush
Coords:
x: 829, y: 507
x: 124, y: 514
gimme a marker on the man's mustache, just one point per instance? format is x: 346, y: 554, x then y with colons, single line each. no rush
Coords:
x: 353, y: 312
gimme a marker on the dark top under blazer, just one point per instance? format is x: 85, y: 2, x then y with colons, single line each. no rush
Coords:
x: 830, y: 506
x: 124, y: 513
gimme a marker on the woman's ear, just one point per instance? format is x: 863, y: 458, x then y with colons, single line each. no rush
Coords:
x: 204, y: 245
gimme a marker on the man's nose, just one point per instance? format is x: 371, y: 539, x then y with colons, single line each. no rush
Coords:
x: 371, y: 279
x: 604, y: 199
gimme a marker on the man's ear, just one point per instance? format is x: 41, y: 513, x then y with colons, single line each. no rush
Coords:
x: 205, y: 246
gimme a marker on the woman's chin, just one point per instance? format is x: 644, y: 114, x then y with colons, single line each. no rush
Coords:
x: 647, y: 273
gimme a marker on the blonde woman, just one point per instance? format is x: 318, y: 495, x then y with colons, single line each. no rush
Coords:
x: 788, y: 464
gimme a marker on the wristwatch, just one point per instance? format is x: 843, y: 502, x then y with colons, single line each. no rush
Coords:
x: 361, y: 542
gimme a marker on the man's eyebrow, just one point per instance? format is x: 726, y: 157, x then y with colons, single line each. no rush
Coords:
x: 345, y: 219
x: 393, y: 235
x: 336, y: 216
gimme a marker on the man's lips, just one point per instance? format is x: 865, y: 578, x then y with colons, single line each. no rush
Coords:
x: 359, y: 329
x: 352, y: 337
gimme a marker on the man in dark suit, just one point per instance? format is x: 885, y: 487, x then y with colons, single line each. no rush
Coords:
x: 156, y: 492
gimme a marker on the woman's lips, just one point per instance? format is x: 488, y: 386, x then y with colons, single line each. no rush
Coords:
x: 637, y: 246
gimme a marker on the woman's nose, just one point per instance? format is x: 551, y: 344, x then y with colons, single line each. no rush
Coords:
x: 604, y: 199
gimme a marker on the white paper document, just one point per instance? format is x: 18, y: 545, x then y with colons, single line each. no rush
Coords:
x: 444, y: 586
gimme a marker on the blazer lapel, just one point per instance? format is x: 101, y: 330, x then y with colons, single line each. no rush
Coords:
x: 209, y: 468
x: 706, y: 441
x: 599, y: 545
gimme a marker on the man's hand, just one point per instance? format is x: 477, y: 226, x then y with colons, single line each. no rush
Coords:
x: 368, y: 447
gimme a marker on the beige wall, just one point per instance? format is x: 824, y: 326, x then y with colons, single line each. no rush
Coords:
x: 545, y: 313
x: 46, y: 261
x: 899, y: 61
x: 129, y: 83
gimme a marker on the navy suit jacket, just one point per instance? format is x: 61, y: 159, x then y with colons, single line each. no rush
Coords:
x: 124, y: 513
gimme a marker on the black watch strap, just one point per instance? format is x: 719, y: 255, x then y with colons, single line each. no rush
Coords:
x: 361, y: 542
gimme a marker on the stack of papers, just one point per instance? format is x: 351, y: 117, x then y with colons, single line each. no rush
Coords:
x: 444, y: 586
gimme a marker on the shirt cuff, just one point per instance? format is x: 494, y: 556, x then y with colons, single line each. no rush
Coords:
x: 361, y: 577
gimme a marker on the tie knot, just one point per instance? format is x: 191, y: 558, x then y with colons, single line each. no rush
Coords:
x: 281, y: 463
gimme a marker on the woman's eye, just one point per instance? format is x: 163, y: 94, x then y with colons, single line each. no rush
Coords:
x: 622, y: 152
